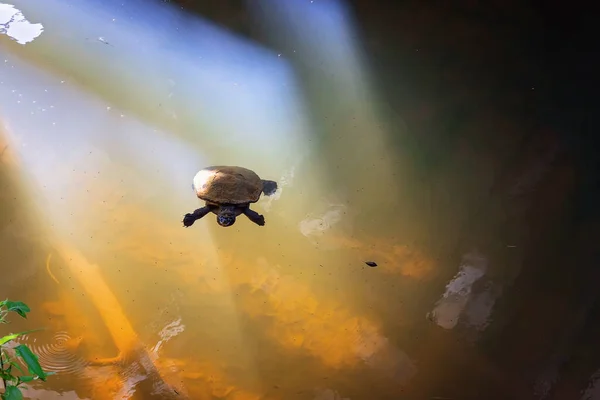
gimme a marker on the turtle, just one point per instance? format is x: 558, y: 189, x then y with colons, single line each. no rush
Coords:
x: 228, y: 192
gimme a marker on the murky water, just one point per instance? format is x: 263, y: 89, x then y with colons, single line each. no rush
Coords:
x: 107, y: 116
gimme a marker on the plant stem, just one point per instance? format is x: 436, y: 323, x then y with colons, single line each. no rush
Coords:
x: 2, y: 367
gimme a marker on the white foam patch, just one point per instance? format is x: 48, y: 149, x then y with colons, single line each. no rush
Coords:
x: 14, y: 24
x: 167, y: 333
x: 317, y: 225
x: 458, y: 291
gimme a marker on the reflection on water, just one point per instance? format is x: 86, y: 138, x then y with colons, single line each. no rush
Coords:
x: 139, y: 307
x: 16, y: 26
x: 104, y: 142
x: 458, y: 291
x: 59, y: 354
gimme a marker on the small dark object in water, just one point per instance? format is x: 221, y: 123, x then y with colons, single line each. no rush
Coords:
x: 228, y: 192
x: 371, y: 263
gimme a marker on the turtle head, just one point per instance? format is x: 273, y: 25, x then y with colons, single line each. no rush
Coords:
x: 226, y: 216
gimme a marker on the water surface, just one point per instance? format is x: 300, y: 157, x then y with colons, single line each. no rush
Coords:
x: 107, y: 116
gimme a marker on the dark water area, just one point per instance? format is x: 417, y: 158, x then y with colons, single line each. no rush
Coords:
x: 451, y: 143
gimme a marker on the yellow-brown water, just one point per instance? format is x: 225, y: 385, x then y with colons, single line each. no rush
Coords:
x: 101, y: 140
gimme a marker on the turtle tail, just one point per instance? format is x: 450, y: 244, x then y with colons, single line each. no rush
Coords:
x: 269, y: 187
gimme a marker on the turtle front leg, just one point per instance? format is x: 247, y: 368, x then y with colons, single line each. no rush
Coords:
x: 254, y: 216
x: 189, y: 219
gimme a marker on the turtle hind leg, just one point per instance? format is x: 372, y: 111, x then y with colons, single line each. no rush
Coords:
x: 269, y: 187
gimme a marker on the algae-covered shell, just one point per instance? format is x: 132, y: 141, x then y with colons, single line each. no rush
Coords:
x: 228, y: 185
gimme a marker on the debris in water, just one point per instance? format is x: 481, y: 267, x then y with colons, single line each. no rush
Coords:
x: 101, y: 40
x: 371, y: 263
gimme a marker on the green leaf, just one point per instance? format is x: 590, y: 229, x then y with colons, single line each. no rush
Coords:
x: 13, y: 336
x: 24, y: 379
x: 12, y: 393
x: 3, y: 302
x: 19, y: 307
x: 5, y: 356
x: 33, y: 365
x: 7, y: 377
x: 17, y: 366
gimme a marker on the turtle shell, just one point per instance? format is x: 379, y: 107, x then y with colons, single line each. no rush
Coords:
x: 228, y: 185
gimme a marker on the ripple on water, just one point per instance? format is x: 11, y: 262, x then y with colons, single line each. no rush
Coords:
x: 60, y: 355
